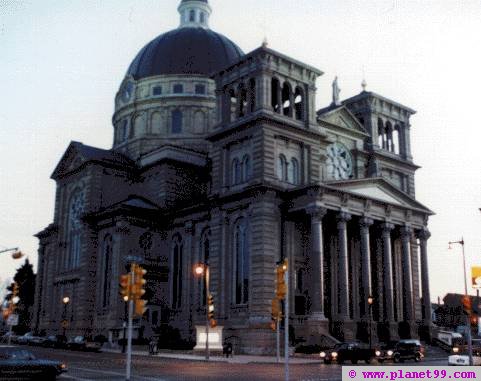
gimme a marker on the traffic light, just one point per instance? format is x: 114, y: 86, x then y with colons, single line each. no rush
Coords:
x: 125, y: 286
x: 275, y: 314
x: 281, y: 287
x: 210, y: 306
x: 140, y: 307
x: 139, y: 282
x: 466, y: 301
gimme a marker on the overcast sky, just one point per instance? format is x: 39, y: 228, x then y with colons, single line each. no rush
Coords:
x: 61, y: 63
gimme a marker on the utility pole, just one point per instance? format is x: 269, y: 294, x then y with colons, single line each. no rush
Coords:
x: 129, y: 327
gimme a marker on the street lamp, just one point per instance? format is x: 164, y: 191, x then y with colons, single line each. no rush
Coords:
x: 468, y: 327
x: 370, y: 301
x: 202, y: 269
x: 17, y: 254
x: 65, y: 301
x: 14, y: 302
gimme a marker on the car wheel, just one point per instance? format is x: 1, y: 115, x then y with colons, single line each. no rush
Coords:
x: 340, y: 361
x: 368, y: 361
x: 397, y: 358
x: 327, y: 362
x: 354, y: 361
x: 380, y: 361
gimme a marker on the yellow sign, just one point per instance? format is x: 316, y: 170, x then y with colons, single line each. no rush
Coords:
x: 476, y: 276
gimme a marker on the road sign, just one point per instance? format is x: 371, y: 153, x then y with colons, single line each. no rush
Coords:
x: 476, y: 276
x: 12, y: 320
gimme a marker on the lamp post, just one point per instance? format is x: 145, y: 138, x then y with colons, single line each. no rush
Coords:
x: 14, y: 303
x: 202, y: 269
x: 17, y: 254
x: 65, y: 301
x: 468, y: 318
x: 124, y: 324
x: 370, y: 301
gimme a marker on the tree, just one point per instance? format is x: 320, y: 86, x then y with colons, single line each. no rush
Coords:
x: 25, y: 279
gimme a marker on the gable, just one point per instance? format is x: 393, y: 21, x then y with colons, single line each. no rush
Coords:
x: 380, y: 190
x: 71, y: 160
x: 343, y: 118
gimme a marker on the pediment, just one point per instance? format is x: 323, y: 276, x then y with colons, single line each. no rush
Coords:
x: 70, y: 161
x: 380, y: 190
x: 343, y: 118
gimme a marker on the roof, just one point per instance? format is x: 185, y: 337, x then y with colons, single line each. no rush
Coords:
x: 367, y: 94
x: 185, y: 51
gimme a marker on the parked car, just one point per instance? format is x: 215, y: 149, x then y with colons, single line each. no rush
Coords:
x: 25, y: 339
x: 83, y: 344
x: 13, y: 337
x: 37, y: 340
x: 55, y: 341
x: 20, y: 364
x: 408, y: 350
x: 463, y: 359
x: 385, y: 351
x: 348, y: 351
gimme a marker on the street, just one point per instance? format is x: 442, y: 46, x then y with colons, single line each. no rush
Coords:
x: 84, y: 366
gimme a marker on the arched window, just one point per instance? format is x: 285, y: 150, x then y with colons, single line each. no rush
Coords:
x: 106, y: 269
x: 293, y: 174
x: 176, y: 122
x: 177, y: 273
x: 389, y: 141
x: 76, y: 210
x: 275, y: 95
x: 286, y: 100
x: 282, y: 168
x: 242, y: 101
x: 202, y: 17
x: 299, y: 103
x: 252, y: 95
x: 235, y: 172
x: 246, y: 168
x: 192, y: 15
x: 395, y: 140
x: 178, y: 88
x: 204, y: 254
x: 381, y: 136
x: 242, y: 262
x: 233, y: 104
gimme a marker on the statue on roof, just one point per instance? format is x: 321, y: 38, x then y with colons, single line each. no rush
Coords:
x: 335, y: 93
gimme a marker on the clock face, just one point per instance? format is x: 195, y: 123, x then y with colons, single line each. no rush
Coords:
x: 339, y: 162
x: 127, y: 91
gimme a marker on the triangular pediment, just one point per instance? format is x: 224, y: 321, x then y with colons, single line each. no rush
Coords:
x: 380, y: 190
x: 341, y: 117
x: 70, y: 161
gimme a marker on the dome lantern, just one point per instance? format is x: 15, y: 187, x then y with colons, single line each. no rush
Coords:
x: 194, y: 13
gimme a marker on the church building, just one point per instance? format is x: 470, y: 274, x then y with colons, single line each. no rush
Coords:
x: 221, y: 157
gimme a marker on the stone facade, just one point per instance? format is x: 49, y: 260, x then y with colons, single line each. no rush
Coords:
x: 240, y: 170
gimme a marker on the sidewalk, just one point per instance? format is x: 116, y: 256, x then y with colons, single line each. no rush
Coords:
x: 237, y: 359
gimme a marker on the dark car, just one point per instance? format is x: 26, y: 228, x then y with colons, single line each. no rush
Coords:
x: 385, y: 351
x: 408, y: 350
x: 55, y: 341
x: 20, y: 364
x: 349, y: 351
x: 81, y: 343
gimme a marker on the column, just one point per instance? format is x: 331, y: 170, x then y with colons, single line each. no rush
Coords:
x: 343, y: 279
x: 317, y: 262
x: 387, y: 267
x: 406, y: 233
x: 365, y: 223
x: 423, y: 236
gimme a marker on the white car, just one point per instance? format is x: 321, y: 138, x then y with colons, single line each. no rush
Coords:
x: 463, y: 359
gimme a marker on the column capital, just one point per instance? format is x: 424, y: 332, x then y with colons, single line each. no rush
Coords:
x: 406, y: 232
x: 366, y: 222
x: 423, y: 234
x: 387, y: 227
x: 317, y: 213
x: 343, y: 217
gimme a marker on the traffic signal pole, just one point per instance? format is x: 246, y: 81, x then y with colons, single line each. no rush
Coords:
x: 129, y: 327
x: 286, y: 323
x: 278, y: 339
x: 207, y: 317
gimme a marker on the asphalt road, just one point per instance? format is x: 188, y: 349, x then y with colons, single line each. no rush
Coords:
x: 85, y: 366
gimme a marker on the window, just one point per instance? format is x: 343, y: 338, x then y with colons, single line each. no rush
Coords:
x: 176, y: 122
x: 106, y: 269
x: 235, y: 172
x: 294, y: 172
x: 157, y: 90
x: 242, y: 265
x: 178, y: 88
x: 123, y: 131
x: 177, y: 273
x: 275, y: 95
x: 282, y: 168
x: 204, y: 258
x: 246, y: 168
x: 202, y: 17
x: 252, y: 95
x: 192, y: 15
x: 75, y: 225
x: 200, y: 89
x: 299, y: 104
x: 286, y: 100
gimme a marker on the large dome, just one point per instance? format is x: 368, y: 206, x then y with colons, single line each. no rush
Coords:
x: 185, y: 51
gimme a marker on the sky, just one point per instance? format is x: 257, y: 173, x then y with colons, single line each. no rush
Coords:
x: 61, y: 63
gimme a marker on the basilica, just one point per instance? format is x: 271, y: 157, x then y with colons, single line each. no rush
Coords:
x: 221, y: 157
